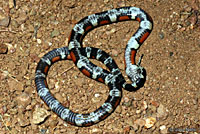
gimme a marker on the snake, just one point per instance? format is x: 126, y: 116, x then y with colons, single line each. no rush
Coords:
x: 81, y: 55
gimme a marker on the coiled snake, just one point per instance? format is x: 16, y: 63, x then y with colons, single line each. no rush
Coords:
x: 80, y: 56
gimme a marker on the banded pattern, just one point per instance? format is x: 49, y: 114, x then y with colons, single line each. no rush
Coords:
x: 102, y: 112
x: 80, y: 57
x: 136, y: 73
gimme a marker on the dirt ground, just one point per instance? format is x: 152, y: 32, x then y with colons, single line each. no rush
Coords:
x: 170, y: 98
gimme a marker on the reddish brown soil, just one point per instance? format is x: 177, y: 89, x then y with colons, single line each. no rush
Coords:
x: 171, y: 94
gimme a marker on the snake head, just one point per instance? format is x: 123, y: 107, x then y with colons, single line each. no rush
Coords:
x: 137, y: 75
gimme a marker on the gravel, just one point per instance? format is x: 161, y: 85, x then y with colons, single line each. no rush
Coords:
x: 168, y: 102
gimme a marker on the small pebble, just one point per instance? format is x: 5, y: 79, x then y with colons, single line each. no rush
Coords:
x: 149, y: 122
x: 39, y: 115
x: 161, y: 111
x: 140, y: 122
x: 55, y: 33
x: 3, y: 49
x: 161, y: 35
x: 127, y: 104
x: 11, y: 3
x: 155, y: 103
x: 96, y: 131
x: 22, y: 17
x: 43, y: 131
x: 163, y: 129
x: 114, y: 52
x: 11, y: 48
x: 5, y: 22
x: 97, y: 95
x: 39, y: 41
x: 138, y: 111
x: 3, y: 110
x: 23, y: 121
x: 24, y: 99
x: 127, y: 130
x: 135, y: 127
x: 145, y: 106
x: 15, y: 85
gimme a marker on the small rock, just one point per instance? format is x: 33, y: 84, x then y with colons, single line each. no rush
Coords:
x: 11, y: 3
x: 98, y: 44
x: 135, y: 127
x: 96, y: 99
x: 118, y: 109
x: 23, y: 121
x: 24, y: 99
x: 140, y: 122
x: 55, y: 33
x: 161, y: 111
x: 53, y: 123
x: 161, y: 35
x: 7, y: 123
x: 195, y: 101
x: 15, y: 85
x: 57, y: 85
x: 106, y: 1
x: 145, y: 106
x: 193, y: 20
x: 96, y: 95
x: 154, y: 103
x: 153, y: 109
x: 91, y: 85
x: 22, y: 17
x: 96, y: 131
x: 126, y: 99
x: 3, y: 49
x: 111, y: 31
x: 132, y: 132
x: 127, y: 130
x: 33, y: 12
x: 34, y: 57
x: 114, y: 52
x: 149, y: 122
x: 127, y: 104
x: 14, y: 111
x: 5, y: 22
x: 46, y: 45
x: 3, y: 110
x: 130, y: 122
x: 39, y: 115
x: 11, y: 48
x: 163, y: 129
x: 39, y: 41
x: 59, y: 97
x: 3, y: 75
x: 138, y: 97
x: 43, y: 131
x: 138, y: 111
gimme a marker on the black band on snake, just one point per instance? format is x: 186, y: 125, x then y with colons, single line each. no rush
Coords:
x: 80, y: 57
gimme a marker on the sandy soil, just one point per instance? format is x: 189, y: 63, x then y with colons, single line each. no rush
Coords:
x: 170, y: 98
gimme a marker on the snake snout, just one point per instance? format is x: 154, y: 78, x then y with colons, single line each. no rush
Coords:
x: 137, y: 75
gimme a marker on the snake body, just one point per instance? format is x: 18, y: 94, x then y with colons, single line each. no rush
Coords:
x: 80, y: 56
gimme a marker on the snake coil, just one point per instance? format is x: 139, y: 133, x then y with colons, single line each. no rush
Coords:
x: 80, y: 56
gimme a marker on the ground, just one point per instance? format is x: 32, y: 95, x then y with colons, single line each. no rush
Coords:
x: 170, y: 97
